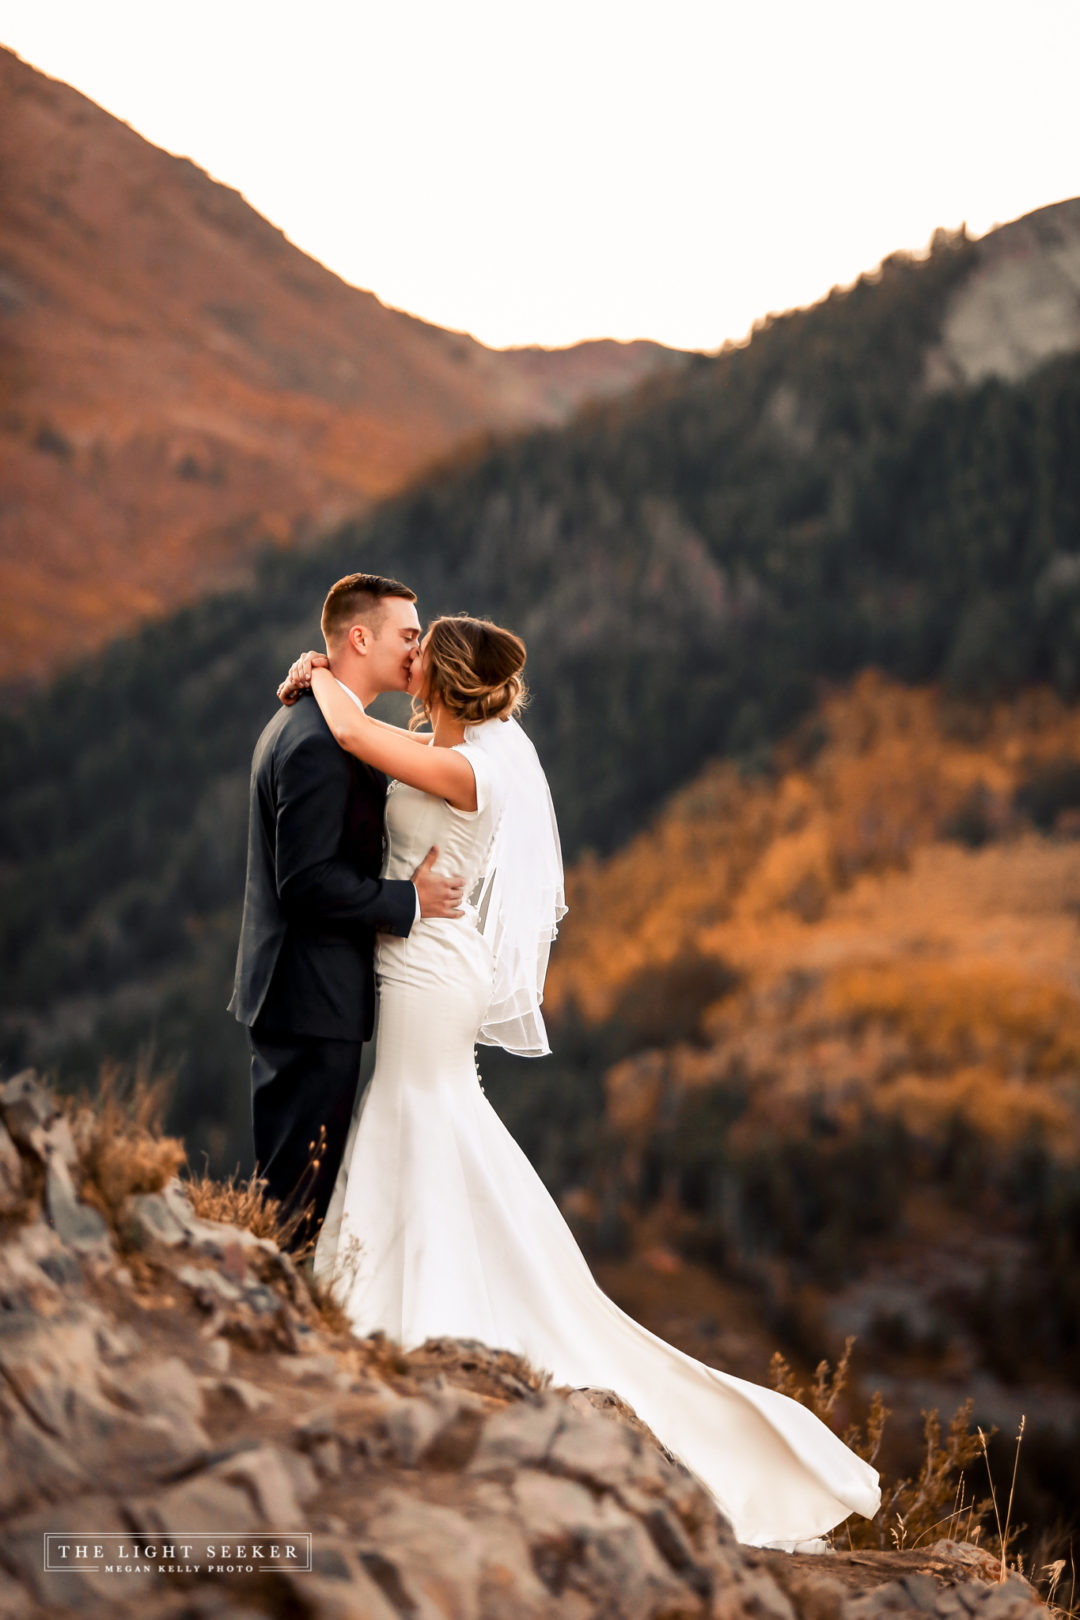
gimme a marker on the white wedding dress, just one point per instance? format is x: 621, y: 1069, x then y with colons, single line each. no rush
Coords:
x: 439, y: 1225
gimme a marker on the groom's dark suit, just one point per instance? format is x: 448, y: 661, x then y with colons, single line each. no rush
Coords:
x: 305, y: 984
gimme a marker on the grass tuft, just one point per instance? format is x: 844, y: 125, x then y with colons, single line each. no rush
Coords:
x: 119, y: 1138
x: 245, y: 1203
x: 936, y: 1500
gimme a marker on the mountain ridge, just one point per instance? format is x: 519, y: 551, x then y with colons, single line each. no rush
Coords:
x: 183, y: 385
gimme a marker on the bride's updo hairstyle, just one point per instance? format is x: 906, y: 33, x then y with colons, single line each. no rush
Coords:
x: 474, y: 671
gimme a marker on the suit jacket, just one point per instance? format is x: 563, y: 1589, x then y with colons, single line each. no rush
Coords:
x: 313, y: 899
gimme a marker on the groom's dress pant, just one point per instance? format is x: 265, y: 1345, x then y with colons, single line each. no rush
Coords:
x: 303, y: 1088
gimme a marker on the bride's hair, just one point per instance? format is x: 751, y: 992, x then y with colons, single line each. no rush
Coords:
x: 474, y: 670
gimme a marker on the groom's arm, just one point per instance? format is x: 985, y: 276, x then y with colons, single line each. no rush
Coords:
x: 314, y: 883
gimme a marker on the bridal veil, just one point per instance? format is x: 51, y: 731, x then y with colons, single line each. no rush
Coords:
x: 521, y: 897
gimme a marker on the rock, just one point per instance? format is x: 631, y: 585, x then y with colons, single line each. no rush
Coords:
x: 510, y: 1588
x: 424, y: 1558
x: 591, y: 1544
x: 196, y: 1504
x: 672, y: 1543
x: 27, y: 1107
x: 55, y: 1370
x: 309, y: 1369
x: 280, y: 1482
x: 15, y: 1601
x: 76, y: 1224
x: 262, y: 1300
x: 212, y: 1238
x: 284, y: 1267
x: 118, y: 1343
x: 317, y: 1437
x: 118, y: 1443
x: 62, y: 1267
x: 322, y: 1424
x: 218, y: 1355
x: 439, y: 1430
x: 922, y: 1590
x: 11, y: 1173
x: 958, y: 1560
x: 167, y: 1218
x: 326, y: 1459
x: 521, y: 1433
x: 408, y: 1429
x: 168, y: 1390
x: 338, y: 1587
x: 815, y: 1596
x: 31, y: 1277
x: 548, y: 1505
x: 972, y: 1594
x: 34, y: 1466
x: 1012, y: 1599
x: 209, y: 1286
x: 596, y: 1449
x: 60, y: 1142
x: 215, y: 1602
x: 238, y: 1393
x: 753, y: 1595
x: 148, y: 1218
x: 43, y: 1363
x: 80, y: 1591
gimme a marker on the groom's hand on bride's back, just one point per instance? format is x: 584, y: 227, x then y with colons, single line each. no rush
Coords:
x: 439, y: 896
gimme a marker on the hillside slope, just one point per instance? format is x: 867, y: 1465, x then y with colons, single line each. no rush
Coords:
x: 181, y: 385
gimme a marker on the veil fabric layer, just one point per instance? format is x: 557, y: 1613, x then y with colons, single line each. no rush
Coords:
x: 522, y: 897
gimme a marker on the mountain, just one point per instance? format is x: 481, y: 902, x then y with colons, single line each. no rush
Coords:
x: 182, y: 385
x: 688, y: 566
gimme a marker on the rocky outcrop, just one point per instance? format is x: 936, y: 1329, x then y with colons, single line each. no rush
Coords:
x: 1019, y: 307
x: 166, y: 1379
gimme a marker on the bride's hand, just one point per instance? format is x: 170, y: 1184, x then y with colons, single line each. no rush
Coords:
x: 299, y: 676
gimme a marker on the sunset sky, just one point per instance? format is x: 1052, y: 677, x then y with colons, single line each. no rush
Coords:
x: 541, y: 173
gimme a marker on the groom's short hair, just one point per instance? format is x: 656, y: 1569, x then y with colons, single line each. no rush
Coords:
x: 359, y: 599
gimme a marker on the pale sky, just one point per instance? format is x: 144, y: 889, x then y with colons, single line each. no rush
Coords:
x: 541, y: 171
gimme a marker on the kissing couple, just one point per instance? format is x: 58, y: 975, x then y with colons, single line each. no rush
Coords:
x: 443, y: 887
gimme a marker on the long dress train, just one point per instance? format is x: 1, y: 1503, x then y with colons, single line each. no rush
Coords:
x: 439, y: 1225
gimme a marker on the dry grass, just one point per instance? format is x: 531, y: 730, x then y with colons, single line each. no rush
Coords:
x: 1054, y: 1571
x: 935, y: 1504
x: 326, y: 1296
x: 120, y: 1141
x: 245, y: 1203
x: 124, y: 1150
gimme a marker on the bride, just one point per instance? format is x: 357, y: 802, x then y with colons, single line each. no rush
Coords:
x: 439, y: 1224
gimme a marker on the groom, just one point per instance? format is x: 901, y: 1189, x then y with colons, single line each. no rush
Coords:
x: 313, y: 902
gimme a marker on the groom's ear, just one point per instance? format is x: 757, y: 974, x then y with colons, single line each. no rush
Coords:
x: 359, y: 639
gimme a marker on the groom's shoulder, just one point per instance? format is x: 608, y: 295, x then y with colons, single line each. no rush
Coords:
x: 292, y: 726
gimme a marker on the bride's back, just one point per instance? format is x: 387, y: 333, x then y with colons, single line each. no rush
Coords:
x: 415, y: 821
